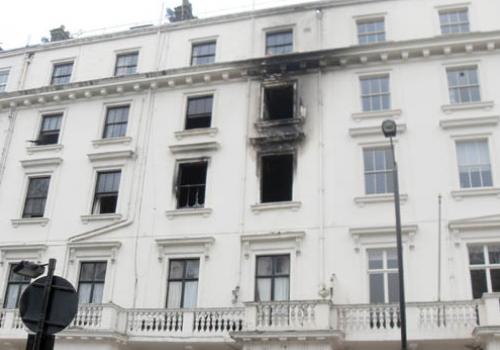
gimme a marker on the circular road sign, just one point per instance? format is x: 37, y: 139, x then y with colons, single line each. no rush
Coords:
x: 62, y: 307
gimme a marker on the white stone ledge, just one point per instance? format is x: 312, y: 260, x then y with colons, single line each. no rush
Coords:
x: 456, y: 107
x: 455, y: 123
x: 114, y: 155
x: 195, y: 147
x: 476, y: 192
x: 100, y: 217
x: 379, y: 198
x: 29, y: 221
x: 171, y: 214
x: 43, y: 162
x: 44, y: 148
x: 196, y: 132
x: 391, y: 113
x: 112, y: 141
x: 257, y: 208
x: 373, y: 131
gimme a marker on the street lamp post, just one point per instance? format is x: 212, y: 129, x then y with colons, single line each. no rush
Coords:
x: 389, y: 129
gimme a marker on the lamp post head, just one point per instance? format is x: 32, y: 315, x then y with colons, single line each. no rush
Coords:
x: 29, y: 269
x: 389, y: 128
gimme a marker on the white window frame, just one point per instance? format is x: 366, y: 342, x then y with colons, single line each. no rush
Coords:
x: 278, y: 28
x: 124, y: 52
x: 361, y: 21
x: 63, y: 61
x: 472, y: 139
x: 361, y: 77
x: 388, y: 172
x: 198, y: 93
x: 459, y: 66
x: 451, y: 7
x: 104, y: 111
x: 366, y: 18
x: 487, y: 266
x: 385, y: 271
x: 3, y: 70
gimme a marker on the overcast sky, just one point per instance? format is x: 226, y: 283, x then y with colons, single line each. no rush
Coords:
x: 25, y: 22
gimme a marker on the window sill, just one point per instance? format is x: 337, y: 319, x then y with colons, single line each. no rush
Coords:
x: 257, y: 208
x: 44, y: 148
x: 196, y: 132
x: 390, y: 113
x: 476, y: 192
x: 100, y: 217
x: 379, y: 198
x: 112, y: 141
x: 263, y: 124
x: 487, y: 105
x: 455, y: 123
x: 29, y: 221
x: 171, y: 214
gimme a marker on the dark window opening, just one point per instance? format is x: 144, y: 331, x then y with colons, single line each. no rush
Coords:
x: 106, y: 192
x: 16, y: 284
x: 91, y: 282
x: 276, y: 178
x: 199, y: 112
x: 279, y: 102
x: 36, y: 197
x: 191, y: 185
x: 50, y: 129
x: 116, y: 122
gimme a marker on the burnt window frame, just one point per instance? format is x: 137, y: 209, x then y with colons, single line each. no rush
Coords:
x: 260, y: 167
x: 207, y: 42
x: 183, y: 279
x: 24, y: 281
x: 27, y: 197
x: 124, y: 54
x: 49, y: 132
x: 93, y: 282
x: 198, y: 96
x: 93, y: 210
x: 278, y: 31
x: 57, y: 65
x: 177, y: 180
x: 107, y: 124
x: 294, y: 83
x: 273, y: 275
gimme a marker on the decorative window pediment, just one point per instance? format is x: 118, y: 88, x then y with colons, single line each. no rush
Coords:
x: 45, y: 165
x: 195, y: 147
x: 482, y: 227
x: 270, y: 241
x: 184, y: 246
x: 118, y: 157
x: 382, y: 235
x: 22, y: 252
x: 93, y: 250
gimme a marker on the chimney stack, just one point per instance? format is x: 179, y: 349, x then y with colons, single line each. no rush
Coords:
x: 183, y: 12
x: 59, y: 34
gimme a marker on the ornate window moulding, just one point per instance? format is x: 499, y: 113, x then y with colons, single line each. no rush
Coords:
x: 476, y: 192
x: 44, y: 148
x: 93, y: 250
x: 260, y: 207
x: 29, y: 221
x: 382, y: 235
x: 100, y: 217
x: 281, y: 240
x: 195, y: 147
x: 48, y: 163
x: 379, y: 198
x: 450, y: 108
x: 367, y: 131
x: 392, y: 113
x: 111, y: 156
x: 211, y: 132
x: 19, y: 252
x: 456, y: 123
x: 112, y: 141
x: 184, y: 246
x: 172, y: 214
x: 477, y: 228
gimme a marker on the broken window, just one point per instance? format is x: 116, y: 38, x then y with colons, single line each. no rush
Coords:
x: 199, y: 112
x: 276, y: 178
x: 191, y: 182
x: 49, y: 130
x: 106, y: 192
x: 279, y: 102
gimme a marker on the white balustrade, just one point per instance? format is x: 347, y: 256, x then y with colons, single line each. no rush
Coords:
x: 368, y: 317
x: 143, y: 322
x: 448, y: 315
x: 89, y: 316
x: 218, y: 321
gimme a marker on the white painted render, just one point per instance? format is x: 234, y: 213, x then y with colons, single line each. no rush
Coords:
x: 330, y: 223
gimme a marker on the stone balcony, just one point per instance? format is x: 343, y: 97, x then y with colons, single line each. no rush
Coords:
x: 289, y: 320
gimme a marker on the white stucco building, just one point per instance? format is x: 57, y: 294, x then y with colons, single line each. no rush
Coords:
x: 223, y: 183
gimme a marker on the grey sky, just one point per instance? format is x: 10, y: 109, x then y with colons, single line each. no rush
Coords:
x: 27, y: 21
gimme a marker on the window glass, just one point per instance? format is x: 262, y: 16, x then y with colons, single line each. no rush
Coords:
x: 474, y: 164
x: 199, y: 112
x: 484, y: 263
x: 203, y: 53
x: 454, y: 21
x: 91, y: 282
x: 126, y: 63
x: 279, y: 43
x: 50, y: 129
x: 375, y: 259
x: 272, y: 278
x: 4, y: 76
x: 375, y: 93
x: 116, y: 122
x: 371, y: 31
x: 495, y: 280
x: 36, y: 197
x: 378, y: 170
x: 61, y: 73
x: 106, y: 192
x: 463, y: 85
x: 393, y: 287
x: 476, y: 255
x: 478, y: 280
x: 377, y: 288
x: 16, y: 284
x: 182, y: 283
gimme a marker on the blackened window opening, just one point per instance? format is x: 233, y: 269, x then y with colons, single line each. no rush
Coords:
x: 199, y: 112
x: 191, y: 185
x: 106, y: 192
x: 50, y: 129
x: 277, y: 178
x: 279, y: 102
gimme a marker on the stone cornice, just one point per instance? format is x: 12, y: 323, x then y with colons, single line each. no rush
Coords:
x: 291, y: 64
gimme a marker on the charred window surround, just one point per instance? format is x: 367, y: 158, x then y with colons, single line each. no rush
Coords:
x: 279, y: 101
x: 191, y: 183
x: 276, y: 177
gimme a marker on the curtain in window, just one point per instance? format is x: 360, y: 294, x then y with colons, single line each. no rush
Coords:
x: 174, y: 295
x: 190, y: 294
x: 281, y: 288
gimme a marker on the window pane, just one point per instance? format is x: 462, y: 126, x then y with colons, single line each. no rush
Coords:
x: 100, y: 271
x: 84, y: 291
x: 192, y: 268
x: 190, y: 294
x: 494, y: 254
x: 264, y: 266
x: 98, y: 291
x: 478, y: 280
x: 11, y: 296
x: 281, y: 288
x: 174, y: 295
x: 87, y: 272
x: 375, y: 259
x: 282, y: 265
x: 263, y: 289
x: 495, y: 280
x: 393, y: 285
x: 377, y: 288
x: 176, y: 269
x: 392, y: 258
x: 476, y: 255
